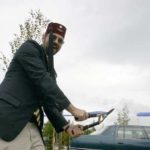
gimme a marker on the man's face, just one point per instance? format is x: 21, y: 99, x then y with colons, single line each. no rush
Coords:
x: 58, y: 40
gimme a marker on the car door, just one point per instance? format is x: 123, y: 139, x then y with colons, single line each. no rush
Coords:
x: 132, y: 137
x: 135, y: 137
x: 119, y: 137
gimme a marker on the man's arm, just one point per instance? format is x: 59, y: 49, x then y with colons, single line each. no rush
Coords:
x: 77, y: 113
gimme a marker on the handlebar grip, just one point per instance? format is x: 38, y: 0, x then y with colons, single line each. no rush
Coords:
x: 89, y: 116
x: 92, y: 114
x: 96, y: 114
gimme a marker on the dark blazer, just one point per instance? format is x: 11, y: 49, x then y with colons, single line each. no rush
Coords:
x: 26, y: 85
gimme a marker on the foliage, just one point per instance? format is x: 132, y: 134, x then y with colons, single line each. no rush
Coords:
x: 48, y: 133
x: 89, y: 131
x: 65, y: 139
x: 123, y: 116
x: 31, y: 29
x: 4, y: 62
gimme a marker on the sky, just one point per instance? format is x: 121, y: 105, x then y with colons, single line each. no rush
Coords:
x: 104, y: 62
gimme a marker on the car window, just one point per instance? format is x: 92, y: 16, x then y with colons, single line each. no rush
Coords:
x: 148, y: 132
x: 108, y: 131
x: 120, y: 133
x: 99, y: 131
x: 131, y: 133
x: 134, y: 133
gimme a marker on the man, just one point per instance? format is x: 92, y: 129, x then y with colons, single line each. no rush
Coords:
x: 29, y: 87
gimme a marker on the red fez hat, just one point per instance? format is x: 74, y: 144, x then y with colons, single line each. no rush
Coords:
x: 56, y: 28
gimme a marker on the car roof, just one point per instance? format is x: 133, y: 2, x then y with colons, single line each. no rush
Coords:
x: 99, y: 131
x: 128, y: 126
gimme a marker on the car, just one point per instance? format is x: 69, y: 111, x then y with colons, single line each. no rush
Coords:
x: 115, y: 137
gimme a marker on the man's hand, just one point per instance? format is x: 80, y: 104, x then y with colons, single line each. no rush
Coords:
x: 74, y: 130
x: 77, y: 113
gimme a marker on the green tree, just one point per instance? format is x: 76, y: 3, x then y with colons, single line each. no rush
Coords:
x: 89, y: 131
x: 123, y: 116
x: 4, y: 62
x: 48, y: 134
x: 65, y: 139
x: 31, y: 29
